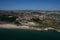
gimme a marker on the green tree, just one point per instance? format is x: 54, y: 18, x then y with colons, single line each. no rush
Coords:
x: 17, y: 23
x: 36, y: 20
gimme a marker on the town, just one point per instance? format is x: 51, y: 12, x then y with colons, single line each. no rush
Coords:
x: 30, y: 19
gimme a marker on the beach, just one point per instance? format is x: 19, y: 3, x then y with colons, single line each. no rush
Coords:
x: 12, y: 26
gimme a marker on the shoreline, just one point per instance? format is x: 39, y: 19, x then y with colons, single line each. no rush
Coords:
x: 11, y: 26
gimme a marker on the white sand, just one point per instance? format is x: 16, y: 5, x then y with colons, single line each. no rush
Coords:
x: 11, y: 26
x: 8, y: 26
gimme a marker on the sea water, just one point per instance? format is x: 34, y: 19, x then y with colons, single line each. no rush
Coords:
x: 17, y: 34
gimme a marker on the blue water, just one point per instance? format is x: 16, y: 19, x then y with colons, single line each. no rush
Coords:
x: 15, y: 34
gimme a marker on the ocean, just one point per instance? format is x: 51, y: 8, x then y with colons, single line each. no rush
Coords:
x: 16, y: 34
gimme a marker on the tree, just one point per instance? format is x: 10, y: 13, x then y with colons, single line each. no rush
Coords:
x: 36, y: 20
x: 17, y: 23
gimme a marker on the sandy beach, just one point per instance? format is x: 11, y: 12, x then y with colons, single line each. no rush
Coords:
x: 11, y: 26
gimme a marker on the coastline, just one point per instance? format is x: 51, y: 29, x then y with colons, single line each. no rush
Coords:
x: 11, y: 26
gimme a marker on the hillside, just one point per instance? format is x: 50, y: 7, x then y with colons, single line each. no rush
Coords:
x: 36, y: 19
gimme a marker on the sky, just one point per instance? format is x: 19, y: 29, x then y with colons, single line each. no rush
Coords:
x: 29, y: 4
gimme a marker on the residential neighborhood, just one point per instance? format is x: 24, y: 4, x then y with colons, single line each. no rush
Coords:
x: 31, y: 18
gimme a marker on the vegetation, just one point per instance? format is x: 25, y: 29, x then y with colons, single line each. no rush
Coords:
x: 7, y: 18
x: 45, y: 23
x: 17, y: 23
x: 37, y: 20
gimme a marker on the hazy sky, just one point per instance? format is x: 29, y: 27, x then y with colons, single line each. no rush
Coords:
x: 30, y: 4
